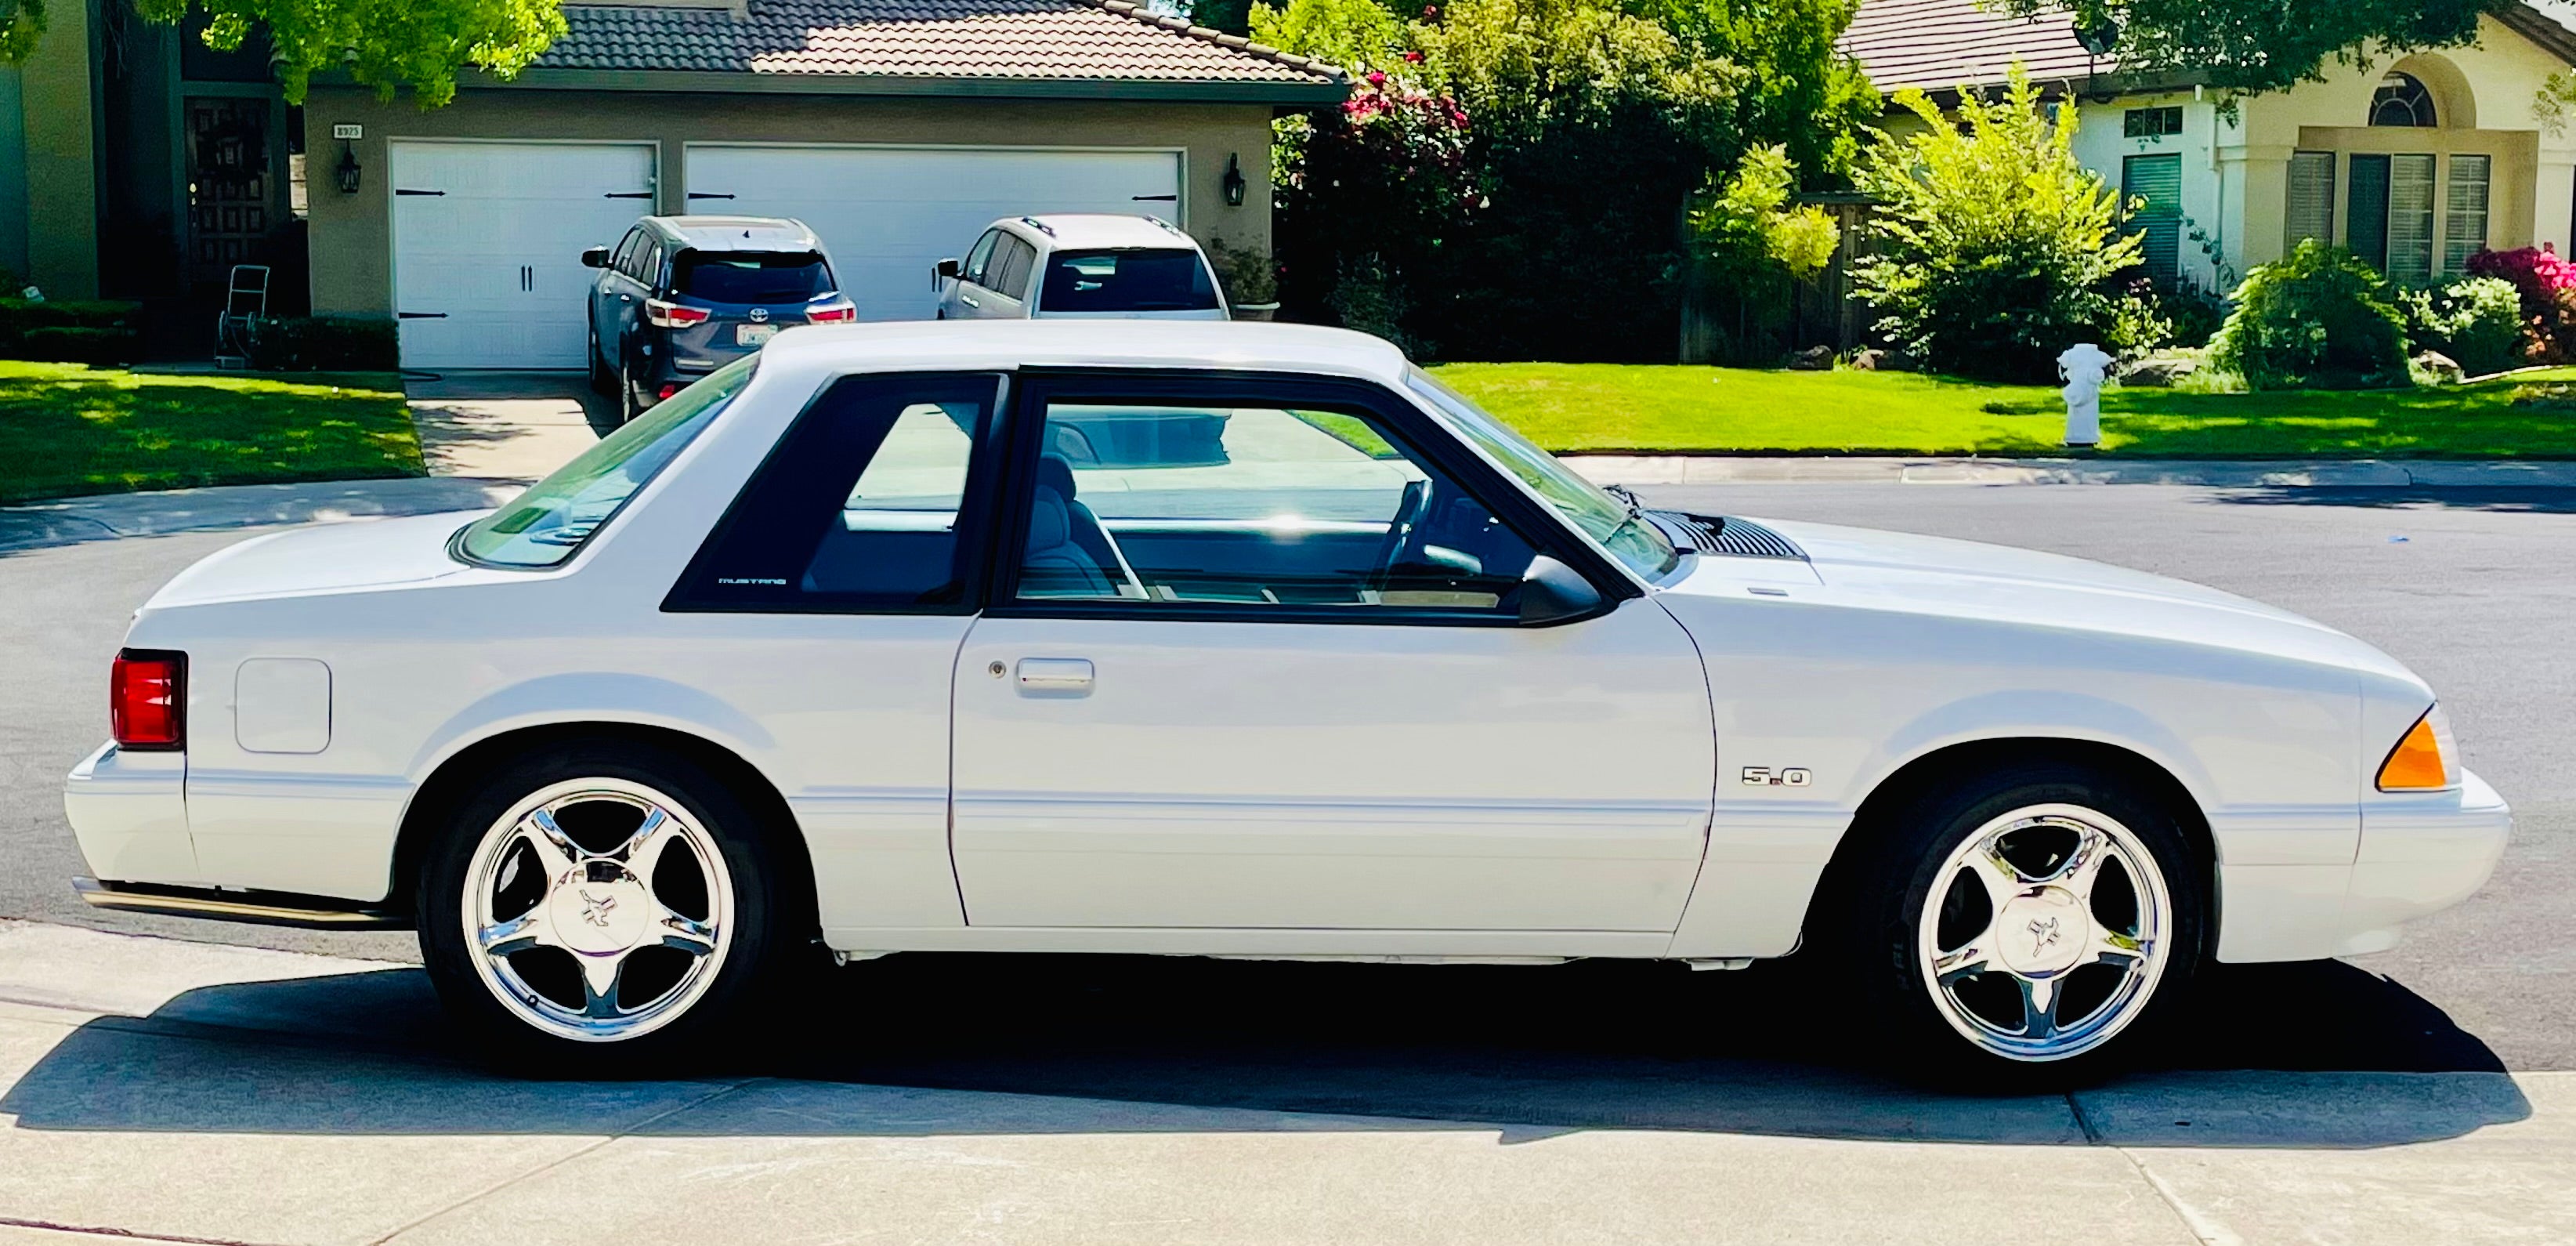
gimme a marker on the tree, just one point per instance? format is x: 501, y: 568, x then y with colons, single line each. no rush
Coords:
x: 1751, y: 243
x: 1800, y: 92
x: 1996, y: 248
x: 391, y: 45
x: 2251, y: 46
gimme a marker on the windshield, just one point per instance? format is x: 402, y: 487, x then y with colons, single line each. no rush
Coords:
x: 1615, y: 524
x: 1128, y: 281
x: 751, y: 276
x: 548, y: 522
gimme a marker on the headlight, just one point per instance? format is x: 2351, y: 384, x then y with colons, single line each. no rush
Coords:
x: 2426, y: 759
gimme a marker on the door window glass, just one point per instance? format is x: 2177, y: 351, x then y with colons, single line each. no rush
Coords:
x: 1132, y: 280
x: 981, y: 257
x: 1010, y: 273
x: 624, y: 260
x: 1258, y: 508
x: 858, y: 506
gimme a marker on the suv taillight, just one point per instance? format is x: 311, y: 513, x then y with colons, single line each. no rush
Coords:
x: 672, y: 315
x: 837, y: 310
x: 147, y: 697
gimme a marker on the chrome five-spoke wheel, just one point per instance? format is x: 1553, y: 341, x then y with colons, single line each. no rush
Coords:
x: 597, y: 910
x: 2045, y: 932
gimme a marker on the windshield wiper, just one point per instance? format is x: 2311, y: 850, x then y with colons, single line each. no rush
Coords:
x: 1626, y: 498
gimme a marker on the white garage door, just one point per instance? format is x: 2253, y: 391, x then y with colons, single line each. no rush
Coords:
x: 487, y: 246
x: 887, y: 214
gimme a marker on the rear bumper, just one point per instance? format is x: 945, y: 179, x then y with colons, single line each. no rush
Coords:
x: 261, y: 908
x: 129, y: 812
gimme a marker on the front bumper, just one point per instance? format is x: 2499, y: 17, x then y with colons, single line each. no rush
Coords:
x: 2420, y: 855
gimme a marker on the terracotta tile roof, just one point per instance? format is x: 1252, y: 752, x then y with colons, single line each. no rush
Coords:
x: 1088, y: 40
x: 1937, y: 44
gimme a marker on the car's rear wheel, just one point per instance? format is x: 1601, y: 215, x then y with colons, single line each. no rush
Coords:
x: 2031, y: 927
x: 600, y: 910
x: 627, y: 407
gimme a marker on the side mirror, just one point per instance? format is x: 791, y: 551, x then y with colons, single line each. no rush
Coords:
x: 1552, y: 592
x: 945, y: 270
x: 595, y: 257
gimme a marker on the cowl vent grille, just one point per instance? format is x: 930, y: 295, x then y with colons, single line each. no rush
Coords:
x: 1740, y: 538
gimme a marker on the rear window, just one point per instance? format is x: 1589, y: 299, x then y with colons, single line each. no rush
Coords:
x: 751, y: 276
x: 1127, y: 280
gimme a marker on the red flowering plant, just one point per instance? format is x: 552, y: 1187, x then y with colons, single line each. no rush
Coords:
x: 2547, y: 285
x: 1378, y: 182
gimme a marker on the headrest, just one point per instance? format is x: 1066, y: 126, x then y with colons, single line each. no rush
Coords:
x: 1056, y: 472
x: 1049, y: 523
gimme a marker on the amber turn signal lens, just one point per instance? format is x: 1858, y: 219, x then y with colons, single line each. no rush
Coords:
x: 2416, y: 763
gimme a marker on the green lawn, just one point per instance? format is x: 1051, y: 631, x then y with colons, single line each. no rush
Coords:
x: 1641, y: 408
x: 67, y: 429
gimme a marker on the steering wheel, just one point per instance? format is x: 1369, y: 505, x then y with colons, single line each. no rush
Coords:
x: 1402, y: 532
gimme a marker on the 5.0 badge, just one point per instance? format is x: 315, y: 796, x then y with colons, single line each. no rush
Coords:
x: 1785, y: 776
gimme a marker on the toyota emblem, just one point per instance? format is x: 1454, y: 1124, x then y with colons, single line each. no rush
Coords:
x: 759, y: 314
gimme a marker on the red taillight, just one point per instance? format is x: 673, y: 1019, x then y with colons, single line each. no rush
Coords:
x: 147, y: 695
x: 672, y: 315
x: 827, y: 313
x: 668, y: 388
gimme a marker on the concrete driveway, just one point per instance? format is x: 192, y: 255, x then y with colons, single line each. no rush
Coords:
x: 506, y: 425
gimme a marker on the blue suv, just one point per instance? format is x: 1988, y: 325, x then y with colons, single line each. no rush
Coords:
x: 681, y: 296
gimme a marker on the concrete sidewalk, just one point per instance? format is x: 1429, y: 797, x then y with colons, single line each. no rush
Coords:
x: 189, y: 1092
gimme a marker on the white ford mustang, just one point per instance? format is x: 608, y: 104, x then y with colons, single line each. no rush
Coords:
x: 1244, y: 640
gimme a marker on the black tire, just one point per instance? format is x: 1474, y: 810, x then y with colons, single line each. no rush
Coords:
x: 601, y: 379
x: 1889, y: 889
x: 627, y: 407
x: 771, y: 934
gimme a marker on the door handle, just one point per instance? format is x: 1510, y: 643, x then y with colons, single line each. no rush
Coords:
x: 625, y: 298
x: 968, y: 300
x: 1055, y: 674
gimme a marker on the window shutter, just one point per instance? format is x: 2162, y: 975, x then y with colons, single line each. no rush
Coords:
x: 2312, y: 196
x: 2410, y: 219
x: 2158, y: 181
x: 2464, y: 222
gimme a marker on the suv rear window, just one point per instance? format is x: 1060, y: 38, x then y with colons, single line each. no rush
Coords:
x: 751, y: 276
x: 1127, y: 280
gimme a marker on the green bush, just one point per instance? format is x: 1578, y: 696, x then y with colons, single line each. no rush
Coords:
x: 1997, y: 249
x: 2314, y: 319
x: 68, y: 331
x: 2477, y: 321
x: 101, y: 348
x: 322, y: 344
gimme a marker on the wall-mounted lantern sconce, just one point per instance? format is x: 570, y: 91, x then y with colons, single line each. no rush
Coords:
x: 348, y: 170
x: 1233, y: 181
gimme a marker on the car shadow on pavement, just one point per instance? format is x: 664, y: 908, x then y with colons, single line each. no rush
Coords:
x: 2311, y: 1055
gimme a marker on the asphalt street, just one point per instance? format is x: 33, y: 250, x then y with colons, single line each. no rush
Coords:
x: 2476, y: 589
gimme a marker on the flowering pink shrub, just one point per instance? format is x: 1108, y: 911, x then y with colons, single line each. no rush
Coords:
x: 2547, y: 284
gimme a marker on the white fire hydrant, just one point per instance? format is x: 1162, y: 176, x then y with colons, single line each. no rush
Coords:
x: 2084, y: 366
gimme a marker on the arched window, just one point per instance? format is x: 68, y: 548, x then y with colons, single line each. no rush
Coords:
x: 2402, y: 101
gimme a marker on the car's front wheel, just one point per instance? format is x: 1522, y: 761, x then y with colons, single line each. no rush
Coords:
x: 600, y: 909
x: 2034, y: 926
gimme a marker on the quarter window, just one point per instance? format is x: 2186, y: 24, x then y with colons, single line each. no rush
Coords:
x: 858, y: 507
x: 1261, y: 509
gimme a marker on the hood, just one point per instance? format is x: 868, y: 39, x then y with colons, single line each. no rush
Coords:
x: 321, y: 558
x: 1894, y: 571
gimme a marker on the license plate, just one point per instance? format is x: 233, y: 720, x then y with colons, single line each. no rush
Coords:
x: 753, y: 334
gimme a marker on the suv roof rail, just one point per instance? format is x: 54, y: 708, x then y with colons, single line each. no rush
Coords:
x: 1038, y: 225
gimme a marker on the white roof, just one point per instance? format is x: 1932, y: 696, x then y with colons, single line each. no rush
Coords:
x: 989, y: 345
x: 1101, y: 229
